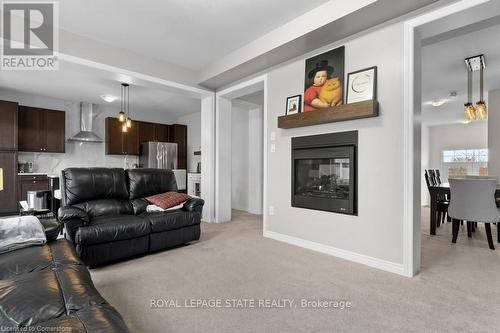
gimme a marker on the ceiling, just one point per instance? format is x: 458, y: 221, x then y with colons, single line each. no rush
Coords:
x: 191, y: 34
x: 73, y: 82
x: 443, y: 67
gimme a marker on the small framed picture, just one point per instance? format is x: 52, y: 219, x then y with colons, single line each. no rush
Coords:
x: 362, y: 85
x: 293, y: 104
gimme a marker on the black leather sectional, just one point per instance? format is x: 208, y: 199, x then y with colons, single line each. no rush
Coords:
x: 48, y: 289
x: 104, y: 213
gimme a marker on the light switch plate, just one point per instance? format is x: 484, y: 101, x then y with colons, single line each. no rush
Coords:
x: 273, y: 148
x: 273, y: 136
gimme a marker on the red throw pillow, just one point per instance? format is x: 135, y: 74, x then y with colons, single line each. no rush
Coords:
x: 168, y: 199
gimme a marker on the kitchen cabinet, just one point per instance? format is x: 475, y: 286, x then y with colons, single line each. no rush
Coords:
x: 146, y: 131
x: 8, y: 157
x: 8, y: 197
x: 30, y: 182
x: 8, y: 125
x: 41, y: 130
x: 162, y: 132
x: 152, y: 132
x: 118, y: 142
x: 178, y: 134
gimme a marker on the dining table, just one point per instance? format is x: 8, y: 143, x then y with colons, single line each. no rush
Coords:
x: 444, y: 190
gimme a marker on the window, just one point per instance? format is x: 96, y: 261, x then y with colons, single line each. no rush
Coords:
x: 462, y: 162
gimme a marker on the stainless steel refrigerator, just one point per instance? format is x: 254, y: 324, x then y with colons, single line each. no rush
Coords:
x: 162, y: 155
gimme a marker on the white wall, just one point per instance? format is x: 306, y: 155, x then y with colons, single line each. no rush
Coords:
x: 455, y: 136
x: 193, y: 122
x: 376, y: 233
x: 78, y: 154
x: 256, y: 159
x: 247, y: 157
x: 239, y: 161
x: 494, y: 133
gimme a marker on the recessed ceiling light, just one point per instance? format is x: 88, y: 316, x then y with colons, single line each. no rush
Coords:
x: 108, y: 98
x: 438, y: 102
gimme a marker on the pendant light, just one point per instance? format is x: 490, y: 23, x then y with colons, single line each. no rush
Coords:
x: 129, y: 120
x: 121, y: 114
x: 478, y: 111
x: 481, y: 112
x: 469, y: 112
x: 124, y: 114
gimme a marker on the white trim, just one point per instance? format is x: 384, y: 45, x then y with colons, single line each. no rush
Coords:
x: 340, y: 253
x: 232, y: 92
x: 200, y: 93
x: 411, y: 242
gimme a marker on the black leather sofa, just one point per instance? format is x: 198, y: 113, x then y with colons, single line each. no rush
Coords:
x: 104, y: 213
x: 48, y: 289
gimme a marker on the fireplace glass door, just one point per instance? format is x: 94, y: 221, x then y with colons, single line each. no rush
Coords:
x: 323, y: 179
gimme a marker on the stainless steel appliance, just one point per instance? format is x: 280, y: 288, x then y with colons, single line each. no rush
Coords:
x: 38, y: 200
x: 180, y: 178
x: 160, y: 155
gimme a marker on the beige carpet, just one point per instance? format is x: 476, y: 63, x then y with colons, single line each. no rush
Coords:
x: 457, y: 290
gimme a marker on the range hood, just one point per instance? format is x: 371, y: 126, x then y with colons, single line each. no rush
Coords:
x: 86, y: 134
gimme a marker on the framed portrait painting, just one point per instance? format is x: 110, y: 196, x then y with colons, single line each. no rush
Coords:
x: 324, y: 80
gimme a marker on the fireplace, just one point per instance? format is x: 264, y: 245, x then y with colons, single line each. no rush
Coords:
x: 324, y: 172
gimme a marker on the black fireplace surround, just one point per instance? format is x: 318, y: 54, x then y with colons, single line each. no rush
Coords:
x: 324, y: 172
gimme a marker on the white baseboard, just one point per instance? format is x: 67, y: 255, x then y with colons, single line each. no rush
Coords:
x: 344, y: 254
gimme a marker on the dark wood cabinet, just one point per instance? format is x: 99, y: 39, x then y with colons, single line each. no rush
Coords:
x: 41, y: 130
x: 178, y: 134
x: 132, y: 140
x: 31, y: 182
x: 8, y: 125
x: 146, y: 131
x: 55, y: 131
x: 153, y: 132
x: 162, y: 133
x: 8, y: 157
x: 30, y: 129
x: 121, y: 143
x: 8, y: 197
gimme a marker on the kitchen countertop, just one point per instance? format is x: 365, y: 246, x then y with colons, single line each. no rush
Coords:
x: 37, y: 174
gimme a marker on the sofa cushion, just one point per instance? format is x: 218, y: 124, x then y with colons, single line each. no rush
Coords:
x: 112, y: 228
x: 103, y: 207
x: 168, y: 199
x: 84, y: 184
x: 53, y: 291
x: 171, y: 220
x: 146, y: 182
x: 37, y: 258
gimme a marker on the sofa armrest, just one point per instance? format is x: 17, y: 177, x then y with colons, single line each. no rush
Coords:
x: 73, y: 218
x: 194, y: 205
x: 68, y: 213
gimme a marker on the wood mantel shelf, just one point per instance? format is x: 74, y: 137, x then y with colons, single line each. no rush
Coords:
x: 342, y: 112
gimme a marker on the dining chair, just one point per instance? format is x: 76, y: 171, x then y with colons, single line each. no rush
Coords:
x: 438, y: 176
x: 473, y: 200
x: 441, y: 205
x: 432, y: 177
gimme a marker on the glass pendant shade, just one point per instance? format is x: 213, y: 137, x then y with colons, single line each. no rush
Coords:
x: 481, y: 112
x: 124, y: 128
x: 129, y: 122
x: 469, y: 112
x: 121, y: 116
